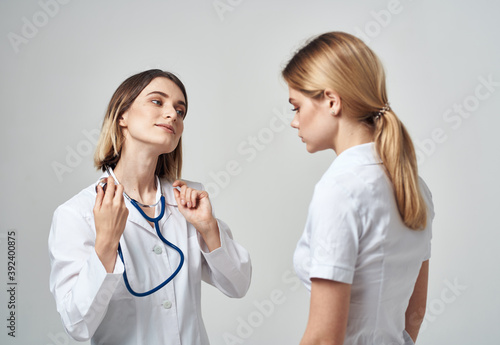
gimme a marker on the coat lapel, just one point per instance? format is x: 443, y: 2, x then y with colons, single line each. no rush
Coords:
x: 168, y: 192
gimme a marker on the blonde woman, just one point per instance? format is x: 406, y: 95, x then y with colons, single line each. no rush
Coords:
x: 364, y: 254
x: 127, y: 261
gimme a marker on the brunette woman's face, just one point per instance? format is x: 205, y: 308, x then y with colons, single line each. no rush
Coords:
x: 317, y: 127
x: 155, y: 120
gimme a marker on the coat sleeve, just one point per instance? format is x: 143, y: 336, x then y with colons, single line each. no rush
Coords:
x: 79, y: 282
x: 228, y: 267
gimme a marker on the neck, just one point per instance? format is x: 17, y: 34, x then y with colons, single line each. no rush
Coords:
x: 351, y: 133
x: 136, y: 172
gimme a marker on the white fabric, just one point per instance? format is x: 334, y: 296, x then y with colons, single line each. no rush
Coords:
x: 95, y: 304
x: 354, y: 234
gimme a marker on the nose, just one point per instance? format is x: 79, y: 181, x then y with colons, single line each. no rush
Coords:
x: 170, y: 113
x: 295, y: 121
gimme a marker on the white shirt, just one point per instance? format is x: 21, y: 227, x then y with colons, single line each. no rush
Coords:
x: 96, y: 304
x: 354, y: 234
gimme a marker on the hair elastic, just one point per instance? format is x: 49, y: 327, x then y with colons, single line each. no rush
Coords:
x: 382, y: 111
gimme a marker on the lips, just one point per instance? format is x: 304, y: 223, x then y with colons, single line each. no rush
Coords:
x: 166, y: 127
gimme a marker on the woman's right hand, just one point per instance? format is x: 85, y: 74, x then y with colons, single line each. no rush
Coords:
x: 110, y: 216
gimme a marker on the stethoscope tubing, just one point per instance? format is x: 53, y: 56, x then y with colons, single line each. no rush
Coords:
x: 167, y: 242
x: 156, y: 222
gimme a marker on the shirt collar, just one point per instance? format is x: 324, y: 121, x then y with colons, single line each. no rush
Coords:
x: 364, y: 154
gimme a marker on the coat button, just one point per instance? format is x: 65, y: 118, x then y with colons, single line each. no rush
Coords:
x: 157, y: 249
x: 167, y: 304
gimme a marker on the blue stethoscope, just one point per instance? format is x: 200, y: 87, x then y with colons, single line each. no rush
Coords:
x: 156, y: 221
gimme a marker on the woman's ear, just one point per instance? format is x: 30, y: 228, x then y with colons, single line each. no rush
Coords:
x: 122, y: 120
x: 334, y: 101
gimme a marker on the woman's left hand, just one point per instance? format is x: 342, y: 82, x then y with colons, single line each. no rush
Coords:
x: 195, y: 206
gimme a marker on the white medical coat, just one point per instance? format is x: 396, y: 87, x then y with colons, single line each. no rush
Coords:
x: 96, y: 304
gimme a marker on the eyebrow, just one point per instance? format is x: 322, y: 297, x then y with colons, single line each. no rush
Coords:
x: 163, y: 94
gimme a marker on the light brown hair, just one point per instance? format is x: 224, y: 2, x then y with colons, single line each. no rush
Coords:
x: 111, y: 139
x: 343, y: 63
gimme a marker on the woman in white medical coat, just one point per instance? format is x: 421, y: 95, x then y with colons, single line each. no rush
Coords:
x: 140, y: 142
x: 365, y: 248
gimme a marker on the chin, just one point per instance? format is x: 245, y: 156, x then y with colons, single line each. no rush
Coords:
x: 169, y: 147
x: 167, y: 151
x: 311, y: 149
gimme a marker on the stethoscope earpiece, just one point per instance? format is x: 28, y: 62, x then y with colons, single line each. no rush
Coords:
x: 103, y: 183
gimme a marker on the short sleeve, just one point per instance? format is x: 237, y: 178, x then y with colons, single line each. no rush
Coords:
x: 334, y: 226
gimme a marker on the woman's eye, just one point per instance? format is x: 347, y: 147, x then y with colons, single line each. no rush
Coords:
x: 180, y: 113
x: 157, y: 102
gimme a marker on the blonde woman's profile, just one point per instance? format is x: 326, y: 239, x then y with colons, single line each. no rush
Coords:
x: 364, y: 253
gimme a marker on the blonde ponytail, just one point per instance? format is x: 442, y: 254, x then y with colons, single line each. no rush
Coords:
x: 342, y: 62
x: 395, y: 148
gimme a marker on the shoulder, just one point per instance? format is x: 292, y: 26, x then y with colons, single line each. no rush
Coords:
x: 74, y: 217
x: 336, y: 195
x: 424, y: 188
x: 332, y: 187
x: 82, y: 203
x: 427, y: 195
x: 355, y: 184
x: 355, y: 193
x: 194, y: 185
x: 191, y: 184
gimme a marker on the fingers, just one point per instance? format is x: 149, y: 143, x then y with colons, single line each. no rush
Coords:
x: 179, y: 183
x: 191, y: 195
x: 118, y: 197
x: 98, y: 198
x: 110, y: 190
x: 202, y: 195
x: 177, y: 195
x: 111, y: 194
x: 182, y: 195
x: 110, y: 213
x: 180, y: 192
x: 186, y: 196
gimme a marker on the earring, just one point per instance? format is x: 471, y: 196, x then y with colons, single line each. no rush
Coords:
x: 333, y: 112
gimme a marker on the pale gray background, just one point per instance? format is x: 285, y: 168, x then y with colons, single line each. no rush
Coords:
x: 58, y: 83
